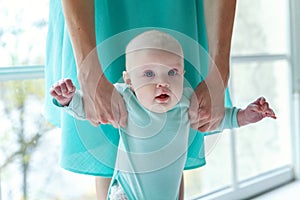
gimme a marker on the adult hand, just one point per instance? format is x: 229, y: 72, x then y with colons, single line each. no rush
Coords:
x: 109, y: 107
x: 207, y: 103
x: 207, y: 107
x: 102, y: 103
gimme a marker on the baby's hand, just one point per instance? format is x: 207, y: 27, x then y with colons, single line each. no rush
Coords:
x: 63, y: 91
x: 255, y: 112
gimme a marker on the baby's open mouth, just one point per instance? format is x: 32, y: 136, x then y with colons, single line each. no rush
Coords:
x: 162, y: 98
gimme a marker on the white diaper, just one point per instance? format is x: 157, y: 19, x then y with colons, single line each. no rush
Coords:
x: 117, y: 193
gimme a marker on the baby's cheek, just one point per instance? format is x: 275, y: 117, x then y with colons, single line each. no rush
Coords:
x: 143, y: 95
x: 178, y: 91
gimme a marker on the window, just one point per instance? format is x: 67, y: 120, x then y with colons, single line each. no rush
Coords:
x: 23, y: 32
x: 29, y: 146
x: 251, y: 159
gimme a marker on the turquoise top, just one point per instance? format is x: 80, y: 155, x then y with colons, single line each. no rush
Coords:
x: 116, y: 23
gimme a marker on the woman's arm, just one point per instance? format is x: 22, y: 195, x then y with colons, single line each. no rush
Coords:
x: 219, y: 18
x: 98, y: 92
x: 207, y: 105
x: 80, y: 20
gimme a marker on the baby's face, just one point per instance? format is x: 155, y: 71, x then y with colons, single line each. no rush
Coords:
x: 157, y: 78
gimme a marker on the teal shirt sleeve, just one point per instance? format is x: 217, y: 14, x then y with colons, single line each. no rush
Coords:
x: 75, y: 107
x: 230, y: 119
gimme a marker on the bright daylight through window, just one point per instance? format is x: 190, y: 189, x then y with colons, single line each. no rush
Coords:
x: 259, y: 67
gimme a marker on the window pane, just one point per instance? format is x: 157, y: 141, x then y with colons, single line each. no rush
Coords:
x: 29, y: 149
x: 216, y: 174
x: 23, y: 30
x: 260, y: 27
x: 265, y: 145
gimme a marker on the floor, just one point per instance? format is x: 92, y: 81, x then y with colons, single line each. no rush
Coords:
x: 290, y: 191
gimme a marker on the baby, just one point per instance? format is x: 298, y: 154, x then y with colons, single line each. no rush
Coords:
x: 153, y: 147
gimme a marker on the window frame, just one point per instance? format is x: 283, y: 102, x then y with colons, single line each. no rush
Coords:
x: 266, y: 181
x: 274, y: 178
x: 21, y: 72
x: 294, y: 28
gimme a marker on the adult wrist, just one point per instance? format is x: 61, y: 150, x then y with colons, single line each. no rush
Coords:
x: 222, y: 64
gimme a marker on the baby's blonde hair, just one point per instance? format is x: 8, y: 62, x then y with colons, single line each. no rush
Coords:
x: 155, y: 40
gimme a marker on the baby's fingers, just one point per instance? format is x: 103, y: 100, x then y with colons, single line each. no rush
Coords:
x: 261, y: 100
x: 69, y: 85
x: 265, y: 106
x: 67, y: 88
x: 56, y: 89
x: 53, y: 93
x: 270, y: 113
x: 63, y: 87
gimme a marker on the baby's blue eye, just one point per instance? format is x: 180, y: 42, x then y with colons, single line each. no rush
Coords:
x: 172, y: 72
x: 149, y: 73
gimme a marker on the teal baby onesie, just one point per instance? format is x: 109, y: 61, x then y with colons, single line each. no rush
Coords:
x: 153, y: 147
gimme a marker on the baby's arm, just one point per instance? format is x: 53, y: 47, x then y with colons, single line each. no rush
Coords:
x: 65, y: 97
x: 255, y: 112
x: 63, y: 91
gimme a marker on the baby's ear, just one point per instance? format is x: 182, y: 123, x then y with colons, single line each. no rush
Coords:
x: 126, y: 78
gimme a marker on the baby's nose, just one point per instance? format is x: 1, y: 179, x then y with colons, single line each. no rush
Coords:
x: 162, y: 84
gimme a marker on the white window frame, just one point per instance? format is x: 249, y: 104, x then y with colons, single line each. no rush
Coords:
x: 285, y: 174
x: 295, y: 63
x: 263, y: 182
x: 21, y: 72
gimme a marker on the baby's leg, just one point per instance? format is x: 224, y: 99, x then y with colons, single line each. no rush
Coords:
x: 102, y: 186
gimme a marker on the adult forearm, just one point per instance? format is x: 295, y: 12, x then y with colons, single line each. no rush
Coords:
x: 79, y: 15
x: 219, y: 18
x: 80, y: 20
